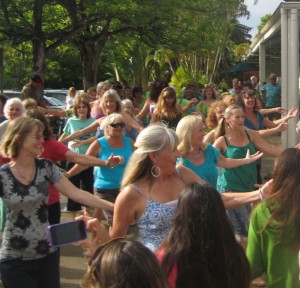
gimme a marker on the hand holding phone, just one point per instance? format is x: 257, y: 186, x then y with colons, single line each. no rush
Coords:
x: 66, y: 233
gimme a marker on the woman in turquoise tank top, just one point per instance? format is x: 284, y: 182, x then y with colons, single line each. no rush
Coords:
x: 234, y: 142
x: 108, y: 179
x: 202, y: 158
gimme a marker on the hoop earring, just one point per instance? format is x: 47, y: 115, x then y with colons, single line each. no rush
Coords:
x: 153, y: 172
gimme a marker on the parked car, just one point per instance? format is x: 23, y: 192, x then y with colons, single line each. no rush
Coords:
x: 59, y: 94
x: 54, y: 103
x: 12, y: 93
x: 56, y: 123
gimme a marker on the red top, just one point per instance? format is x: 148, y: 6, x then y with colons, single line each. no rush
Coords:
x: 54, y: 151
x: 173, y: 275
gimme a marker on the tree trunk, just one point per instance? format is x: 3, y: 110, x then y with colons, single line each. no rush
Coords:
x: 38, y: 43
x: 89, y: 54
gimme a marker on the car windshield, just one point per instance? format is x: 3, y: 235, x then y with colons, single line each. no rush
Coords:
x: 50, y: 101
x: 57, y: 101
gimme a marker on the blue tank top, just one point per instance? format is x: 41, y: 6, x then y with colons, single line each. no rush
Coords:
x: 156, y: 221
x: 108, y: 178
x: 208, y: 170
x: 259, y: 122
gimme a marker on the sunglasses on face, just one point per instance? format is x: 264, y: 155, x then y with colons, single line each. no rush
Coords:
x: 117, y: 125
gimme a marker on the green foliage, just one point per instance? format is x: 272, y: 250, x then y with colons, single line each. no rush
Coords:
x: 183, y: 78
x: 129, y: 40
x: 263, y: 21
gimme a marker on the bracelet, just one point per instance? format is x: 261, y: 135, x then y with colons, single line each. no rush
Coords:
x: 261, y: 194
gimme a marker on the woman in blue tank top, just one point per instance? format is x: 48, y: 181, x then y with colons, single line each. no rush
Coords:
x: 201, y: 157
x: 108, y: 179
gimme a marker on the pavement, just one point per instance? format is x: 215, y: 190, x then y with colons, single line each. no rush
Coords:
x: 73, y: 262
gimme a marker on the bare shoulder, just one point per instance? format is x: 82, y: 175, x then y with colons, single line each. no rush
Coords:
x: 252, y: 134
x: 129, y: 195
x: 188, y: 176
x: 220, y: 143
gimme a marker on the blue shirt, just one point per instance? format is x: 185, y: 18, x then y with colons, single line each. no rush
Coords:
x: 273, y: 94
x: 108, y: 178
x: 208, y: 170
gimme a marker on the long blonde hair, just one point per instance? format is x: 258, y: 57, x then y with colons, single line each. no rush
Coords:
x: 154, y: 138
x: 184, y: 131
x: 220, y: 131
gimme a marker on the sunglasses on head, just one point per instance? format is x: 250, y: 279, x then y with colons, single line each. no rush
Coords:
x: 117, y: 125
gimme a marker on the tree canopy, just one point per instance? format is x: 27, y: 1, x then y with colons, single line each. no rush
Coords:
x: 129, y: 40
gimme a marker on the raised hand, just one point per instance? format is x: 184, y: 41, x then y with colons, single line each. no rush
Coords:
x: 113, y: 161
x: 254, y: 156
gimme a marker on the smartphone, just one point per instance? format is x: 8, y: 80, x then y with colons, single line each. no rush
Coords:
x: 66, y: 233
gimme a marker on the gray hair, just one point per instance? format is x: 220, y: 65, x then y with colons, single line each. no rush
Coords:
x: 10, y: 102
x: 152, y: 139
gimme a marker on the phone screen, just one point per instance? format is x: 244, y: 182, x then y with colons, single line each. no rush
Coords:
x: 66, y: 233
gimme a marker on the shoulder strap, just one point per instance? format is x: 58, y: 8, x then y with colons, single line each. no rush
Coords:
x: 139, y: 190
x: 248, y: 136
x: 226, y: 140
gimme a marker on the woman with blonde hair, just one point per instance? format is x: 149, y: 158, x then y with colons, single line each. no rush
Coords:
x: 233, y: 142
x: 110, y: 103
x: 96, y: 109
x: 231, y: 99
x: 70, y: 97
x: 202, y: 158
x: 128, y: 108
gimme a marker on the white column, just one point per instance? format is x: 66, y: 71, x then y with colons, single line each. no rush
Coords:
x: 293, y: 76
x: 262, y: 62
x: 284, y: 68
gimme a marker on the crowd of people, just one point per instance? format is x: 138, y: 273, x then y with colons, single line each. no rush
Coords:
x: 182, y: 169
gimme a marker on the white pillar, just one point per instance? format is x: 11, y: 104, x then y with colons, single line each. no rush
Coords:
x: 262, y: 62
x: 293, y: 76
x: 284, y: 68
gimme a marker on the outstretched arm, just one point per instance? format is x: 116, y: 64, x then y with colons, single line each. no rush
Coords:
x: 231, y: 163
x: 64, y: 186
x: 87, y: 130
x: 91, y: 159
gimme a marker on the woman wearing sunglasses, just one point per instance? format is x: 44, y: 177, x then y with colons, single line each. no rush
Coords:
x: 108, y: 179
x: 110, y: 103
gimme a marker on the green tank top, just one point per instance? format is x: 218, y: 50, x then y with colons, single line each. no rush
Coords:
x: 242, y: 178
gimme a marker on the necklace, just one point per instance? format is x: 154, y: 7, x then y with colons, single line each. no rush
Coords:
x: 197, y: 155
x: 28, y: 180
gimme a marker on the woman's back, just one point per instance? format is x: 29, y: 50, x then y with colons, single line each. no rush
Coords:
x: 276, y: 257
